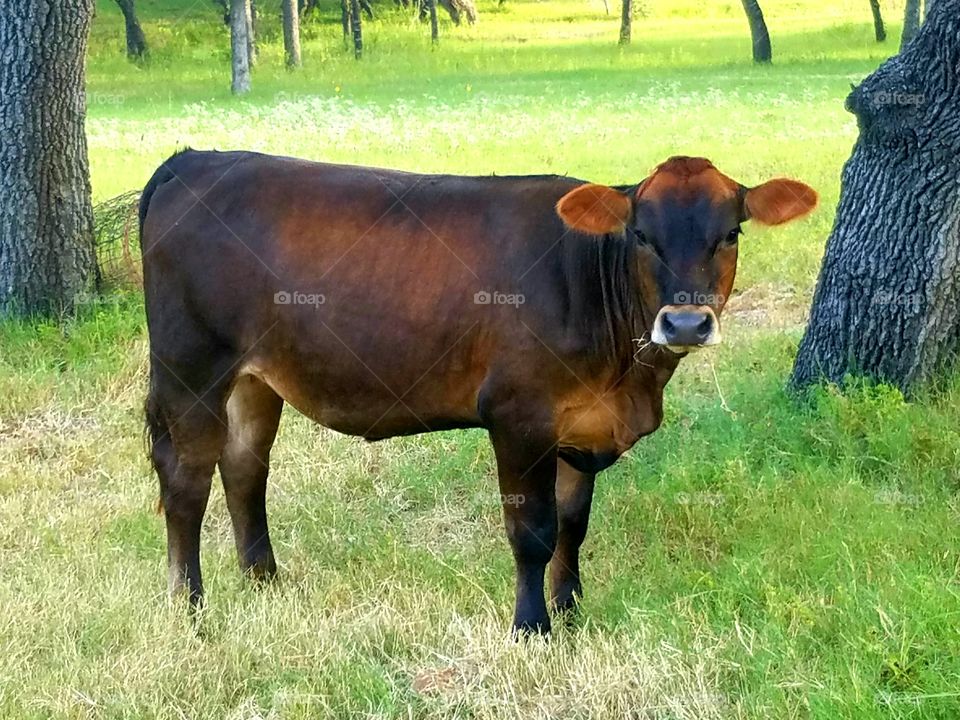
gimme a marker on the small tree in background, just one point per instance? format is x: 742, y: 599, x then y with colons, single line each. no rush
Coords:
x: 136, y: 40
x: 626, y: 22
x: 291, y: 32
x: 879, y: 30
x: 240, y: 46
x: 760, y: 37
x: 911, y: 22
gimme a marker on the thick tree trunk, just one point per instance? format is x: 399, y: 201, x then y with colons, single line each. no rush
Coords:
x: 136, y: 41
x: 626, y: 21
x: 887, y: 299
x: 357, y: 29
x: 879, y: 30
x: 239, y: 46
x: 291, y: 33
x: 911, y: 22
x: 760, y: 38
x: 434, y: 24
x: 47, y: 258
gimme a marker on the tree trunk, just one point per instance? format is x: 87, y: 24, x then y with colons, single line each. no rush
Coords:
x: 47, y: 258
x: 434, y: 25
x: 251, y: 13
x: 357, y: 28
x: 889, y: 288
x: 136, y: 41
x: 762, y: 52
x: 911, y: 22
x: 239, y: 46
x: 878, y: 30
x: 345, y: 19
x: 291, y: 33
x: 626, y: 21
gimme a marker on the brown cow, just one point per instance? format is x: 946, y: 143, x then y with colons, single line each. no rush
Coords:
x: 380, y: 303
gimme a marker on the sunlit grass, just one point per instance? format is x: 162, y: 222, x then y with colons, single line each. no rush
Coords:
x: 758, y: 557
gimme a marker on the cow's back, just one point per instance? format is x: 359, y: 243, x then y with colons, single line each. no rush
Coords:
x: 354, y: 292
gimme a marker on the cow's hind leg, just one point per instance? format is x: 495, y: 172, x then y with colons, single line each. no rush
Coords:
x: 188, y: 429
x: 253, y: 414
x: 574, y: 497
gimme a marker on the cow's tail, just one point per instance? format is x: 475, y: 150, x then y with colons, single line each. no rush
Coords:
x: 163, y: 174
x: 156, y: 431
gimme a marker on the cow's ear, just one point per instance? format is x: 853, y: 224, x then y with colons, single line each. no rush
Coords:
x: 779, y: 201
x: 595, y: 209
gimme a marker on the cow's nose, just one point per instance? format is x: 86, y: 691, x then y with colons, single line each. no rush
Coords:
x: 686, y: 327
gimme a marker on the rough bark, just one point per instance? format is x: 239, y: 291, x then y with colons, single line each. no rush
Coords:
x: 911, y: 22
x: 889, y: 288
x: 291, y: 33
x: 136, y: 40
x: 626, y: 21
x: 239, y: 46
x: 879, y: 30
x: 355, y: 23
x: 760, y: 38
x: 47, y: 259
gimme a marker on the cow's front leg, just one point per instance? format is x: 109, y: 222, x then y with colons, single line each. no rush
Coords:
x: 574, y: 496
x: 527, y: 469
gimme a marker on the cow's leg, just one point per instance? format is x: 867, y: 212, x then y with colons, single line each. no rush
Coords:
x: 574, y: 495
x: 253, y: 414
x: 527, y: 470
x: 196, y: 424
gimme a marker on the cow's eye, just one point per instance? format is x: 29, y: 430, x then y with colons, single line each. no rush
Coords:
x: 732, y: 236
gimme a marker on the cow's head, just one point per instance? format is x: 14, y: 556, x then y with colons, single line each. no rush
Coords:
x: 685, y: 219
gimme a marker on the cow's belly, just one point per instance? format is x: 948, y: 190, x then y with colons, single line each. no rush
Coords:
x: 363, y: 405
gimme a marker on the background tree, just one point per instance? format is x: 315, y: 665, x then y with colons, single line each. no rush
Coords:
x: 240, y: 46
x: 759, y: 36
x: 878, y: 29
x: 46, y: 220
x: 886, y: 303
x: 911, y: 22
x: 136, y: 40
x: 291, y: 32
x: 434, y: 25
x: 626, y: 20
x: 357, y: 28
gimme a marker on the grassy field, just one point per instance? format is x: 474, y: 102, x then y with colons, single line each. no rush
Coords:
x: 755, y: 558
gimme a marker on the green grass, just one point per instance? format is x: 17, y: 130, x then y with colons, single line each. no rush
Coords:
x: 755, y: 558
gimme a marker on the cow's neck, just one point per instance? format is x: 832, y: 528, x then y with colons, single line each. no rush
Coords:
x: 605, y: 301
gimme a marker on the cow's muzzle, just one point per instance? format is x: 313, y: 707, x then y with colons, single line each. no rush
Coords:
x: 683, y: 328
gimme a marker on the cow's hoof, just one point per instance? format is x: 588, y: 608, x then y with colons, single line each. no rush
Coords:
x: 527, y: 629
